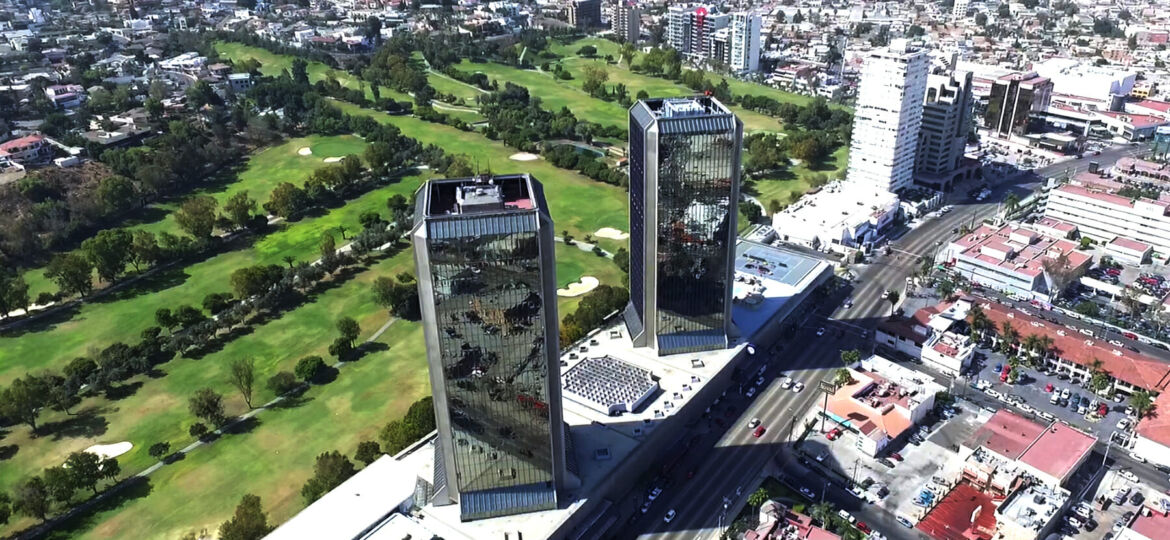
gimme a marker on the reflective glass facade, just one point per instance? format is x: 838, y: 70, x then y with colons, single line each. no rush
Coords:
x: 684, y: 174
x: 487, y: 304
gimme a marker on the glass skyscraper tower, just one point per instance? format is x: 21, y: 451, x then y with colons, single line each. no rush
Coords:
x: 684, y: 185
x: 487, y: 286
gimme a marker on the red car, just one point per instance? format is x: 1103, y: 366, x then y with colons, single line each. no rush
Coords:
x: 1048, y: 387
x: 758, y: 432
x: 896, y: 456
x: 1102, y: 410
x: 861, y: 526
x: 1129, y: 335
x: 833, y: 434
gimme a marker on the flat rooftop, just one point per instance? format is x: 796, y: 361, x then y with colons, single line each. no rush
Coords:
x: 1006, y: 434
x: 1033, y: 507
x: 479, y: 195
x: 837, y: 206
x: 1015, y: 249
x: 771, y: 280
x: 686, y: 107
x: 1058, y: 450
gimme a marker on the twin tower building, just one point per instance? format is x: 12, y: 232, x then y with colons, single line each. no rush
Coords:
x: 487, y: 286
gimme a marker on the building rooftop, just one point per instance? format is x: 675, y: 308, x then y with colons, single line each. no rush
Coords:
x: 881, y: 396
x: 1034, y: 506
x: 1006, y: 434
x: 480, y: 194
x: 1155, y: 426
x: 1015, y: 249
x: 952, y: 518
x: 686, y: 107
x: 1154, y: 526
x: 1132, y: 245
x: 769, y: 281
x: 1058, y: 450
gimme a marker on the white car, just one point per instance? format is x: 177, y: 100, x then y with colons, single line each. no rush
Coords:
x: 1137, y: 458
x: 993, y: 393
x: 1128, y: 475
x: 798, y: 387
x: 845, y: 516
x: 786, y: 383
x: 669, y: 515
x: 821, y: 331
x: 654, y: 493
x: 1064, y: 394
x: 751, y: 392
x: 1123, y: 424
x: 807, y: 492
x: 1115, y: 343
x: 755, y: 422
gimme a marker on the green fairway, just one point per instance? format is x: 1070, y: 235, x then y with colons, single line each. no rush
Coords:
x: 572, y: 264
x: 272, y: 64
x: 446, y: 85
x: 794, y: 183
x: 565, y: 190
x: 554, y: 94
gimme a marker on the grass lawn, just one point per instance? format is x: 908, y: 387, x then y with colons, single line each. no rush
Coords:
x: 260, y: 175
x: 788, y: 187
x: 446, y: 85
x: 554, y: 93
x: 572, y: 264
x: 273, y: 64
x: 157, y: 411
x: 565, y: 190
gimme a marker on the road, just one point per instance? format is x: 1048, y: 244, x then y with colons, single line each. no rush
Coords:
x: 737, y: 458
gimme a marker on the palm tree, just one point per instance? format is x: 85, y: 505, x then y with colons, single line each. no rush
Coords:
x: 1044, y: 346
x: 892, y: 296
x: 1130, y: 300
x: 979, y: 321
x: 1010, y: 203
x: 1009, y: 337
x: 1030, y: 343
x: 758, y: 497
x: 1142, y: 402
x: 841, y: 377
x: 822, y: 512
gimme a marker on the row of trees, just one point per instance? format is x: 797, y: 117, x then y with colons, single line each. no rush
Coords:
x: 567, y: 156
x: 591, y: 312
x: 56, y: 488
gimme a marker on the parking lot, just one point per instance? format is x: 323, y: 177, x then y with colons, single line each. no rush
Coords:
x: 1035, y: 401
x: 1091, y: 520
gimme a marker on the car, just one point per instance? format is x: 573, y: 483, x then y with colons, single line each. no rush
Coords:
x: 759, y: 432
x: 1128, y: 475
x: 669, y: 515
x: 807, y: 492
x: 645, y: 507
x: 1064, y: 393
x: 833, y: 434
x: 845, y: 516
x: 753, y: 423
x: 1074, y: 521
x: 751, y: 392
x: 861, y: 526
x: 1137, y: 498
x: 760, y: 381
x: 1129, y: 410
x: 798, y: 387
x: 848, y: 302
x: 654, y: 493
x: 915, y: 440
x: 1126, y: 517
x: 905, y: 522
x: 857, y: 492
x: 821, y: 331
x: 786, y: 383
x: 897, y: 456
x: 1116, y: 343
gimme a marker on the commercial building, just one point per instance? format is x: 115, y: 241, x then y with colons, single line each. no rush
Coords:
x: 626, y: 22
x: 1013, y: 259
x: 946, y: 122
x: 1105, y: 85
x: 839, y: 218
x: 959, y: 10
x: 1100, y: 213
x: 487, y: 288
x: 684, y: 185
x: 1161, y: 149
x: 888, y: 116
x: 625, y: 408
x: 882, y: 401
x: 584, y: 13
x: 1012, y: 101
x: 745, y: 42
x: 1012, y: 445
x: 949, y: 347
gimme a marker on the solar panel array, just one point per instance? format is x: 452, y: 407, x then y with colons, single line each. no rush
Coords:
x: 608, y: 384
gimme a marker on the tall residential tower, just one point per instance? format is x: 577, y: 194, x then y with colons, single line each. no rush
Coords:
x: 888, y: 116
x: 487, y: 288
x: 684, y: 184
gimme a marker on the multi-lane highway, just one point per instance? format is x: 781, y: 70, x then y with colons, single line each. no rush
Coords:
x: 726, y: 467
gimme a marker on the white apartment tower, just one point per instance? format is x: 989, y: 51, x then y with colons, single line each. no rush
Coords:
x: 888, y: 116
x: 745, y: 42
x: 959, y: 11
x: 626, y: 21
x: 691, y: 30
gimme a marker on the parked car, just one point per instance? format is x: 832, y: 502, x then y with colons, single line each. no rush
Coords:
x: 896, y: 456
x: 905, y: 522
x: 845, y: 516
x: 807, y: 492
x: 751, y: 392
x: 886, y: 462
x: 669, y: 515
x: 861, y: 526
x: 760, y: 381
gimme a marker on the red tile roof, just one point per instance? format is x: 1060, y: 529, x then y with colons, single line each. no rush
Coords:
x: 21, y: 142
x: 1126, y: 243
x: 1138, y: 121
x: 1155, y: 105
x: 1155, y: 425
x: 1131, y: 367
x: 951, y: 519
x: 1155, y: 525
x: 1025, y: 250
x: 1109, y: 198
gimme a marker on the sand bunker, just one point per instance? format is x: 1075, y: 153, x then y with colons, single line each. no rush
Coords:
x: 305, y: 151
x: 587, y: 283
x: 332, y: 159
x: 611, y: 233
x: 524, y: 156
x: 110, y: 450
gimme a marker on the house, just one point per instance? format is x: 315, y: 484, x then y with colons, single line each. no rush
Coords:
x: 27, y: 149
x: 882, y: 401
x: 65, y: 96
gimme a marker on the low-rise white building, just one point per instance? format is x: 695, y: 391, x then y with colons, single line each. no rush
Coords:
x: 1102, y: 214
x: 882, y: 402
x: 1012, y: 258
x: 839, y: 218
x: 949, y: 348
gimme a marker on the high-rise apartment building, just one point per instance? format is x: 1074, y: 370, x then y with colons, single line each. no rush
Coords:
x: 585, y: 13
x: 487, y: 288
x: 684, y: 185
x: 691, y: 29
x: 946, y: 122
x: 626, y: 22
x: 888, y: 116
x: 1014, y: 97
x: 959, y: 11
x: 745, y: 42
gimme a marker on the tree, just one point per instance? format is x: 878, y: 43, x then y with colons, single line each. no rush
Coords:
x: 61, y: 395
x: 595, y: 78
x: 243, y: 376
x: 841, y: 377
x: 59, y: 484
x: 282, y: 382
x: 165, y: 319
x: 400, y: 299
x: 196, y: 217
x: 198, y: 430
x: 1142, y: 402
x: 822, y: 512
x: 108, y: 252
x: 309, y: 368
x: 349, y: 329
x: 23, y: 400
x: 981, y: 19
x: 110, y: 469
x: 1009, y: 337
x: 239, y: 208
x: 946, y: 288
x: 249, y: 522
x: 144, y: 250
x: 300, y: 72
x: 72, y: 273
x: 892, y: 297
x: 85, y: 468
x: 32, y: 498
x: 330, y: 471
x: 5, y: 508
x: 1060, y: 272
x: 1088, y: 308
x: 1011, y: 203
x: 367, y: 452
x: 286, y: 200
x: 255, y: 280
x: 159, y: 450
x: 13, y: 293
x: 587, y: 51
x: 116, y: 194
x: 207, y: 405
x: 758, y: 498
